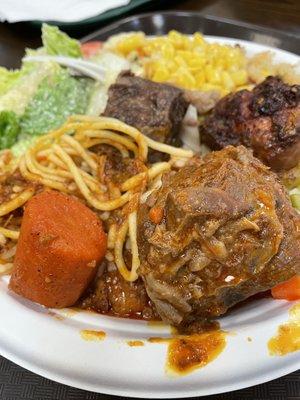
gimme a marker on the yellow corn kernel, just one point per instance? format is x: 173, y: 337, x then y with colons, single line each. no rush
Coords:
x: 200, y: 79
x: 167, y: 50
x: 186, y: 55
x: 175, y: 37
x: 180, y: 61
x: 130, y: 43
x: 190, y: 61
x: 227, y: 81
x: 198, y: 39
x: 182, y: 77
x: 239, y: 77
x: 161, y: 74
x: 212, y: 75
x: 196, y: 63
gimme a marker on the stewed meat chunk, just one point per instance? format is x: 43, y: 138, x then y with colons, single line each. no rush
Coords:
x: 227, y: 231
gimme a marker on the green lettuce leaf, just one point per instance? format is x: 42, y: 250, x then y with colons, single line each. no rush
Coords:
x: 21, y: 92
x: 58, y: 43
x: 8, y: 79
x: 9, y: 129
x: 56, y: 98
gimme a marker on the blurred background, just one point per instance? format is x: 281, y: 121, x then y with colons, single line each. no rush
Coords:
x: 281, y: 15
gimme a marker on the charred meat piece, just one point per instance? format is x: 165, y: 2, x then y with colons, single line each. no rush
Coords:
x: 227, y: 231
x: 266, y: 119
x: 153, y: 108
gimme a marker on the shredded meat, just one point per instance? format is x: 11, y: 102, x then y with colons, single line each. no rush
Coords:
x: 111, y: 294
x: 266, y: 119
x: 227, y: 232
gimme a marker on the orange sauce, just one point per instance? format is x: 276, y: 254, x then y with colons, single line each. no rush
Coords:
x: 187, y: 353
x: 91, y: 335
x: 135, y: 343
x: 287, y: 339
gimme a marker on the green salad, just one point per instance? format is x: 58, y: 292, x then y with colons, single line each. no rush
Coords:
x: 40, y: 96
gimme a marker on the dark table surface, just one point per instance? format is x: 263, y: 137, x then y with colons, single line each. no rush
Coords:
x: 17, y: 383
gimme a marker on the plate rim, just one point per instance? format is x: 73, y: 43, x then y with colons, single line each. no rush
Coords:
x: 182, y: 13
x: 136, y: 393
x: 147, y: 395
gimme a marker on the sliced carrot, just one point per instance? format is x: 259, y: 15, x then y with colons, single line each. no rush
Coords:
x: 89, y: 49
x: 60, y: 245
x: 289, y: 290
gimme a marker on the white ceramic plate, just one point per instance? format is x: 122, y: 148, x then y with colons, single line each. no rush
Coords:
x: 51, y: 346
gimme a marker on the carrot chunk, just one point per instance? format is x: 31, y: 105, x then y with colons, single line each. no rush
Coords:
x: 156, y: 214
x: 289, y: 290
x: 60, y: 245
x: 90, y: 49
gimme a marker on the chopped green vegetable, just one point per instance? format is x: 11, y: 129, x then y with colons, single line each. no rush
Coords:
x: 58, y: 43
x: 9, y: 129
x: 56, y: 98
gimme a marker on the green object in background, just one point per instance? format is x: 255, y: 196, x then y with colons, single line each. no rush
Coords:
x: 57, y: 97
x: 295, y: 198
x: 9, y: 129
x: 57, y: 43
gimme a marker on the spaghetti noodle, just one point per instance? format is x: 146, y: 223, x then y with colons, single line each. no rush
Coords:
x: 63, y: 160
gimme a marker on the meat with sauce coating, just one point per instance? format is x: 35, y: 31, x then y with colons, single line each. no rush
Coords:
x: 111, y: 294
x: 227, y: 232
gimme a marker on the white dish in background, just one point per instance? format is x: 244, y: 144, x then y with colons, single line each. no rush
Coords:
x: 49, y: 343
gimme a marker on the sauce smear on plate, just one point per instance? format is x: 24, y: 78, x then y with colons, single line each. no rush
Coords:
x: 287, y: 339
x: 187, y: 353
x: 91, y: 335
x: 135, y: 343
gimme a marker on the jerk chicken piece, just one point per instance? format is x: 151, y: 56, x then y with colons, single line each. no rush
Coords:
x: 266, y: 119
x: 153, y: 108
x: 226, y: 232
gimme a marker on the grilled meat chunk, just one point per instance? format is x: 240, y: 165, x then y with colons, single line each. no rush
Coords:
x: 154, y: 108
x: 266, y: 119
x: 227, y: 231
